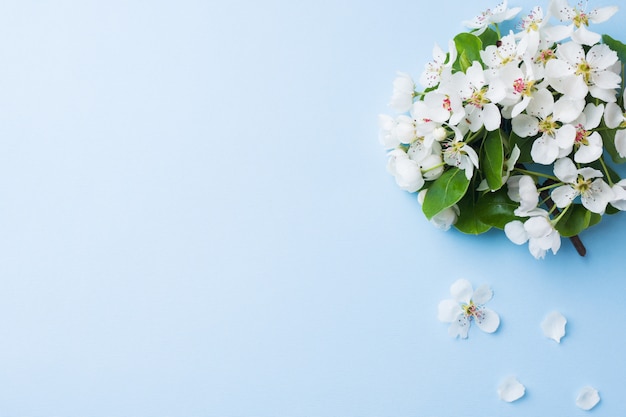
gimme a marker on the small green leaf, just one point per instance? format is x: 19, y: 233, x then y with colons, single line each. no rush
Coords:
x: 496, y: 209
x: 445, y: 191
x: 575, y: 220
x: 492, y: 159
x: 468, y: 221
x: 468, y: 48
x: 524, y: 145
x: 489, y: 37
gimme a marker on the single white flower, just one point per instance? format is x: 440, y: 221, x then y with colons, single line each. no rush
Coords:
x: 499, y: 14
x: 579, y: 19
x: 595, y: 194
x: 507, y: 51
x: 588, y: 398
x: 479, y: 97
x: 466, y: 306
x: 575, y: 73
x: 433, y: 70
x: 511, y: 390
x: 459, y: 154
x: 403, y: 93
x: 538, y: 231
x: 543, y: 116
x: 553, y: 326
x: 531, y: 28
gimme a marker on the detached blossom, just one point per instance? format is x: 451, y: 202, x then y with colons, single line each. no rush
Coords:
x: 499, y: 14
x: 538, y: 231
x: 594, y: 194
x: 466, y: 306
x: 579, y: 21
x: 433, y: 70
x: 403, y: 92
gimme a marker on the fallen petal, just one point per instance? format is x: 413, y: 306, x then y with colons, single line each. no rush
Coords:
x: 587, y: 398
x: 553, y: 326
x: 511, y: 390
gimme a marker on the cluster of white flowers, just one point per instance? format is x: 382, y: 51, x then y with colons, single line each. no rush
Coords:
x: 550, y: 94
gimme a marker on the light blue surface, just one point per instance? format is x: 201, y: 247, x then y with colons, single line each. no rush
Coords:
x: 196, y: 220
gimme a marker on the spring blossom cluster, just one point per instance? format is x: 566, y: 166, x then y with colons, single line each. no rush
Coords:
x: 515, y: 130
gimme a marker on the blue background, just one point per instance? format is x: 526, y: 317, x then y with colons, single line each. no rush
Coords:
x: 196, y: 220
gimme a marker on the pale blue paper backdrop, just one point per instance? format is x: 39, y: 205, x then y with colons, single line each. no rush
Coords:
x: 196, y: 220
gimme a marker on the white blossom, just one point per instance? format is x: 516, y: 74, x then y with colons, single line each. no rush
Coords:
x: 499, y: 14
x: 466, y: 306
x: 431, y: 76
x: 578, y: 20
x: 538, y: 231
x: 595, y: 194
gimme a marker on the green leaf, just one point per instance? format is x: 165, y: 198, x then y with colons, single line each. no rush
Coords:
x: 496, y: 209
x: 445, y: 191
x: 468, y: 221
x: 620, y: 48
x: 575, y: 220
x: 489, y: 37
x: 524, y: 145
x: 468, y: 48
x: 492, y: 159
x: 608, y: 140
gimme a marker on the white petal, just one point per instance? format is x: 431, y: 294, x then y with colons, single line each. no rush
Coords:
x: 620, y: 143
x: 525, y: 125
x: 606, y: 80
x: 604, y: 94
x: 563, y: 196
x: 553, y: 326
x: 588, y: 398
x: 515, y: 232
x: 584, y: 36
x: 461, y: 290
x: 448, y: 310
x: 482, y: 294
x: 567, y: 109
x: 613, y: 115
x: 491, y: 117
x: 488, y: 320
x: 459, y: 327
x: 544, y: 150
x: 565, y: 170
x: 594, y: 115
x: 602, y: 14
x: 511, y: 389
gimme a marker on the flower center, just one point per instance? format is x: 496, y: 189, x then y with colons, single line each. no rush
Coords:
x: 580, y: 19
x: 582, y: 185
x: 447, y: 104
x: 522, y: 87
x: 545, y: 55
x: 471, y: 310
x: 581, y: 135
x: 584, y: 69
x: 548, y: 126
x: 479, y: 99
